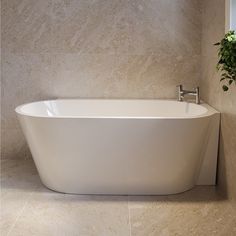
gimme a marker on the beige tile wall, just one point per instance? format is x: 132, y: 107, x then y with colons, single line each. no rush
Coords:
x: 213, y: 18
x: 94, y: 48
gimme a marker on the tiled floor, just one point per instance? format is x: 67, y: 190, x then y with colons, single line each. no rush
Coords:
x: 28, y: 208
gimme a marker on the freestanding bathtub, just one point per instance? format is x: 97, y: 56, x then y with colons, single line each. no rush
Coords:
x: 96, y: 146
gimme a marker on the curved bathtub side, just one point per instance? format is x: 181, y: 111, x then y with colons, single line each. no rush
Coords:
x: 207, y: 175
x: 117, y: 156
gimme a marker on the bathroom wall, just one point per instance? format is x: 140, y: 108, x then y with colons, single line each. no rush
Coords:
x: 94, y: 48
x: 213, y: 29
x: 233, y: 14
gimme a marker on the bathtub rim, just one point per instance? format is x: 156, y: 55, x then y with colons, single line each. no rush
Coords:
x: 210, y: 110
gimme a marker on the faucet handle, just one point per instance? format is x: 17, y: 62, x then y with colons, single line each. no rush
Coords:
x: 180, y: 91
x: 197, y: 90
x: 179, y: 87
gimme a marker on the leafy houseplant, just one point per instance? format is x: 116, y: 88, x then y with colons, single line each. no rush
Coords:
x: 227, y: 59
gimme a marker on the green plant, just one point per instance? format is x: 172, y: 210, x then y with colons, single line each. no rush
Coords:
x: 227, y: 59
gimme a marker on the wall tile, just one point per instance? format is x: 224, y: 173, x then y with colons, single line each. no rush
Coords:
x: 14, y: 144
x: 25, y: 78
x: 89, y: 26
x: 147, y: 76
x: 89, y: 75
x: 26, y: 26
x: 164, y: 26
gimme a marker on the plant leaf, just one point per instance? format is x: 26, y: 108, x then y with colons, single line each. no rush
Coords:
x: 227, y: 59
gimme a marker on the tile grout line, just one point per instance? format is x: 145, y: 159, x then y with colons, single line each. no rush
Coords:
x: 130, y: 228
x: 19, y: 214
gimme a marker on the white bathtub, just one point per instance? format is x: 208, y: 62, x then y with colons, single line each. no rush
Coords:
x: 97, y: 146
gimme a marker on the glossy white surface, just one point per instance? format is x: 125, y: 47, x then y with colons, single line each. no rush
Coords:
x: 104, y: 108
x: 121, y: 146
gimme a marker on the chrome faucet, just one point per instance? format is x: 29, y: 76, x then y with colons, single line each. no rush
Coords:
x: 182, y: 93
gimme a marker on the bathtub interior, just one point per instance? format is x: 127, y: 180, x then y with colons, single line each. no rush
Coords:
x: 99, y: 108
